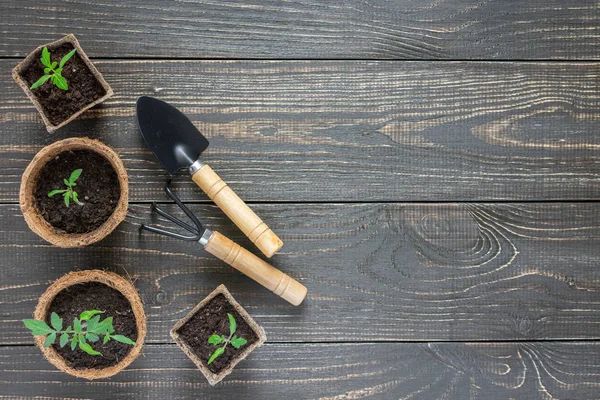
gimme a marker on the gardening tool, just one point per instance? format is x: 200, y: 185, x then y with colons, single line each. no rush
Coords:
x: 177, y: 144
x: 232, y: 253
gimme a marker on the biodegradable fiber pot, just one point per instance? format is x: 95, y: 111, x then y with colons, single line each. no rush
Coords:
x: 111, y: 280
x: 209, y: 317
x: 38, y: 224
x: 58, y: 107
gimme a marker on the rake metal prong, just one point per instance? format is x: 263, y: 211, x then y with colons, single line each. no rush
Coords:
x: 175, y: 220
x: 183, y: 207
x: 197, y: 231
x: 168, y: 233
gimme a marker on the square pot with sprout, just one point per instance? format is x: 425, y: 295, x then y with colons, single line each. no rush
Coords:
x: 61, y: 81
x: 217, y: 334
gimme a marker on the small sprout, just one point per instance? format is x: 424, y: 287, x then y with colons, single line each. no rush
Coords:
x: 68, y: 193
x: 235, y: 341
x: 86, y: 328
x: 53, y: 73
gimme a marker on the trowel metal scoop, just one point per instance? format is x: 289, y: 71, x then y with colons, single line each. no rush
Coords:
x: 177, y: 144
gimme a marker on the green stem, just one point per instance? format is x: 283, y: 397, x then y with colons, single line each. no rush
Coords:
x: 227, y: 341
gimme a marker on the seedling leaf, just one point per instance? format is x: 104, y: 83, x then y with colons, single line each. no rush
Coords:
x: 105, y: 326
x: 123, y: 339
x: 61, y: 82
x: 216, y: 354
x: 64, y: 339
x: 92, y: 325
x: 92, y: 337
x: 215, y: 339
x: 37, y: 327
x: 50, y: 339
x: 56, y: 321
x: 76, y: 325
x: 88, y: 349
x: 73, y: 342
x: 67, y: 57
x: 40, y: 81
x: 238, y: 342
x: 84, y: 316
x: 232, y: 324
x: 75, y: 175
x: 45, y: 57
x: 57, y: 191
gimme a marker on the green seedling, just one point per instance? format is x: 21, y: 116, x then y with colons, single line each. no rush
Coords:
x: 53, y: 73
x: 235, y: 341
x: 87, y: 327
x: 68, y: 193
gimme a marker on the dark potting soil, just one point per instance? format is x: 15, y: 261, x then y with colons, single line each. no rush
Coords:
x: 97, y: 188
x: 212, y: 319
x: 58, y: 104
x: 72, y: 301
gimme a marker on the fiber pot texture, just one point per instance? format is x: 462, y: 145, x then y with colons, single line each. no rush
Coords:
x: 213, y: 378
x: 34, y: 57
x: 43, y: 228
x: 112, y: 280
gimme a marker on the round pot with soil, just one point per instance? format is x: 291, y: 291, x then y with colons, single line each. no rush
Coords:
x: 74, y: 192
x: 89, y: 324
x: 217, y: 334
x: 61, y: 81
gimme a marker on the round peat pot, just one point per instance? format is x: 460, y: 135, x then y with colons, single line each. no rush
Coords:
x: 112, y: 282
x: 38, y: 220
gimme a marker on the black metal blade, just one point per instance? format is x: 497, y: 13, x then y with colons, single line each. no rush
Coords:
x: 171, y: 136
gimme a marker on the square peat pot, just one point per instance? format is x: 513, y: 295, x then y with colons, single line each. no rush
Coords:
x: 210, y: 318
x: 58, y: 107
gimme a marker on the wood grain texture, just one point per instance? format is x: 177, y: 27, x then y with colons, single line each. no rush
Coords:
x: 348, y: 131
x: 405, y: 29
x: 524, y: 371
x: 384, y: 272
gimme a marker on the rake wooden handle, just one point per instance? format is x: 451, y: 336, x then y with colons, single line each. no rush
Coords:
x: 255, y: 268
x: 238, y: 211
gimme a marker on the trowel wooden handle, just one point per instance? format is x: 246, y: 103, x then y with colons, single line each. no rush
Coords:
x: 257, y: 269
x: 238, y: 211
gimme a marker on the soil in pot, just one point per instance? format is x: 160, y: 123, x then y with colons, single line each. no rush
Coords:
x: 97, y: 188
x: 58, y: 104
x: 212, y: 319
x: 72, y: 301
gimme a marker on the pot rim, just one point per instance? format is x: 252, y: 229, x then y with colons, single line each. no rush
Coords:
x: 213, y: 378
x: 110, y: 279
x: 43, y: 228
x: 70, y: 38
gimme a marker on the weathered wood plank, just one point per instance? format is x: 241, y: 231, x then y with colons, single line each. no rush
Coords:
x: 406, y: 29
x: 348, y: 131
x: 374, y: 271
x: 524, y: 371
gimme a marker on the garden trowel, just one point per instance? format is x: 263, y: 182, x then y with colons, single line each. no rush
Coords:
x: 177, y: 144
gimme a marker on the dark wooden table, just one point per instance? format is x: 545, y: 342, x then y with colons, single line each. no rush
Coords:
x: 433, y: 168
